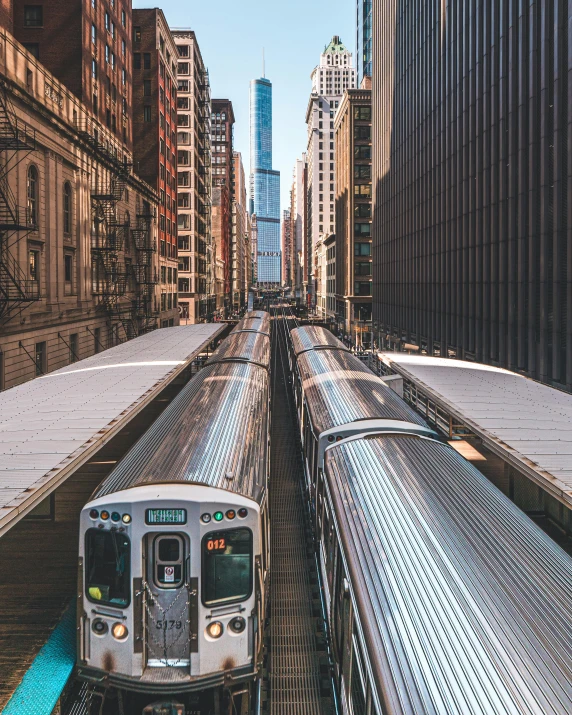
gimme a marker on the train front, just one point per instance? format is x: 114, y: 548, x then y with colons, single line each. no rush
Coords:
x: 173, y: 545
x: 168, y: 588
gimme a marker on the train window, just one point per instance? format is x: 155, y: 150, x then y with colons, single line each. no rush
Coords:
x: 169, y: 554
x: 107, y: 567
x: 227, y: 566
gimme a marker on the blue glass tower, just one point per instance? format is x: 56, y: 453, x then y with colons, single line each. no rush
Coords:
x: 364, y: 38
x: 264, y: 183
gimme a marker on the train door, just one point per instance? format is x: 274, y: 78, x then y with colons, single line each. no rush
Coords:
x: 169, y: 601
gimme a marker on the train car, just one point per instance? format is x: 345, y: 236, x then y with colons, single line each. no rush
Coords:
x: 441, y: 595
x: 257, y: 321
x: 174, y: 548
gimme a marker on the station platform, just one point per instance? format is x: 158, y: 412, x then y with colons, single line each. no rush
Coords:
x: 515, y: 428
x: 60, y: 436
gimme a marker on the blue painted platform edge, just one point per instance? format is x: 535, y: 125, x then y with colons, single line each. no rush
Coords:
x: 49, y: 672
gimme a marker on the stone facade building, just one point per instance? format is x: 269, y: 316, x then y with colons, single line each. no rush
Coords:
x: 330, y: 79
x: 197, y: 298
x: 78, y: 259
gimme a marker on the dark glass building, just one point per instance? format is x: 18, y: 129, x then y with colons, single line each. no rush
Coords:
x: 472, y: 172
x: 364, y: 38
x: 264, y: 183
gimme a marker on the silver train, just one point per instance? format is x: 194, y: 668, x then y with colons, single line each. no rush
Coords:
x: 174, y: 547
x: 441, y: 595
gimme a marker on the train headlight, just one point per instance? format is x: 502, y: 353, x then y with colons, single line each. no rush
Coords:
x: 99, y: 627
x: 243, y: 513
x: 237, y: 625
x: 218, y: 516
x: 104, y: 515
x: 119, y: 631
x: 230, y: 514
x: 205, y: 518
x: 116, y: 516
x: 93, y: 514
x: 127, y: 518
x: 215, y: 629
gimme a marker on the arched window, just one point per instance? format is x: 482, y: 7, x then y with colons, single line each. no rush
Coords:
x: 33, y: 195
x: 67, y: 208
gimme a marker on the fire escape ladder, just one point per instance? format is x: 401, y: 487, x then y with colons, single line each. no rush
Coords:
x: 17, y: 140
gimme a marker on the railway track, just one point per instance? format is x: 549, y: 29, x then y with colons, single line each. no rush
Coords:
x: 298, y: 673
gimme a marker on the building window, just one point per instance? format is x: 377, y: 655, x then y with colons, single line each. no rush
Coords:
x: 136, y: 34
x: 74, y: 347
x: 34, y: 49
x: 146, y: 60
x: 123, y: 18
x: 362, y: 211
x: 147, y: 114
x: 33, y: 16
x: 107, y: 22
x: 362, y: 230
x: 94, y: 34
x: 97, y: 340
x: 34, y: 261
x: 362, y: 249
x: 68, y: 268
x: 123, y: 48
x: 123, y: 78
x: 362, y: 132
x: 136, y: 60
x: 147, y: 87
x: 94, y: 68
x: 33, y: 195
x: 363, y: 113
x: 41, y: 359
x: 363, y: 190
x: 67, y: 208
x: 362, y: 288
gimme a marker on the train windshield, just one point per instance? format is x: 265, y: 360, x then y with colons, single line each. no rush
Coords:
x: 227, y: 566
x: 107, y: 567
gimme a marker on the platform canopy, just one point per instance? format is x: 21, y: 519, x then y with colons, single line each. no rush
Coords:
x: 526, y: 423
x: 53, y: 424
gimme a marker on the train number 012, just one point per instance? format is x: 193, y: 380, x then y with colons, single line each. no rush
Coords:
x: 216, y: 545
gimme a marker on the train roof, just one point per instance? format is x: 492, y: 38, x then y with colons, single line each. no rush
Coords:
x: 464, y: 603
x: 257, y: 321
x: 340, y: 389
x: 312, y: 337
x: 215, y: 433
x: 244, y: 346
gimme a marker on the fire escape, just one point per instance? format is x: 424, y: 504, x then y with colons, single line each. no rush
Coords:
x: 207, y: 298
x: 144, y: 271
x: 17, y: 140
x: 130, y: 311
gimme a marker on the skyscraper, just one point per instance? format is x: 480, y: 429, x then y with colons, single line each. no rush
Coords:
x: 264, y: 183
x: 364, y: 39
x: 330, y: 79
x: 472, y: 218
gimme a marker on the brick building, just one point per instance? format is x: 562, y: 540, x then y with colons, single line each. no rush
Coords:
x: 78, y: 264
x: 86, y: 44
x: 155, y: 59
x: 353, y: 212
x: 222, y: 122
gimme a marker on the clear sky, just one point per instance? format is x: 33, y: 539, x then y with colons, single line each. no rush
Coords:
x: 231, y: 35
